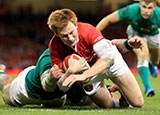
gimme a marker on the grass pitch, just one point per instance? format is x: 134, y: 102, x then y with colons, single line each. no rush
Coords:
x: 151, y: 106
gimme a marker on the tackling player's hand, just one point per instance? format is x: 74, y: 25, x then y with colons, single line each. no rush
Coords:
x: 55, y: 72
x: 69, y: 81
x: 136, y: 42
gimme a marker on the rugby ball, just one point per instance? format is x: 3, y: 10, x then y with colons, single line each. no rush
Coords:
x: 67, y: 60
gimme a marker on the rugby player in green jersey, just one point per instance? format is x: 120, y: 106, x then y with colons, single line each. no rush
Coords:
x: 34, y: 85
x: 144, y: 18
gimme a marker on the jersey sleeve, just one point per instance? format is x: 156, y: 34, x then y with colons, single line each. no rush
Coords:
x: 44, y: 62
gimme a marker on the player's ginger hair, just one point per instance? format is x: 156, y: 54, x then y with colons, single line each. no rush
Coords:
x: 60, y: 19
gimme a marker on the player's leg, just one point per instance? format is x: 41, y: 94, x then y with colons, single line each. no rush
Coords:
x: 121, y: 100
x: 130, y: 88
x: 143, y: 68
x: 83, y: 100
x: 98, y: 93
x: 154, y: 49
x: 15, y: 93
x: 102, y: 97
x: 5, y: 81
x: 143, y: 59
x: 4, y: 78
x: 109, y: 100
x: 115, y: 100
x: 154, y: 61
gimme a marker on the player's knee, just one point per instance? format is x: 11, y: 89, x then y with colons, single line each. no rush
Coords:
x: 138, y: 103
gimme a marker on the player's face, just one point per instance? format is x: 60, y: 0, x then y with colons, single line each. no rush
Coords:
x: 69, y: 34
x: 147, y: 9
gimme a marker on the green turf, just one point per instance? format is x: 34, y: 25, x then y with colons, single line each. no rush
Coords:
x: 151, y: 106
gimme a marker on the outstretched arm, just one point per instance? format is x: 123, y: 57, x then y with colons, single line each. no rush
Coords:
x: 97, y: 68
x: 125, y: 45
x: 111, y: 18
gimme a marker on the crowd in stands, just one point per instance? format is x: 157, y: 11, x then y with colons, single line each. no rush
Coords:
x: 22, y: 42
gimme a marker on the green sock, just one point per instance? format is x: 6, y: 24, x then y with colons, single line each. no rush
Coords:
x: 144, y: 74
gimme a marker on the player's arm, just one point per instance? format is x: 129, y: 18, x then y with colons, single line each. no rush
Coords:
x: 97, y: 68
x: 53, y: 78
x: 48, y: 84
x: 106, y: 52
x: 109, y: 19
x: 74, y: 67
x: 124, y: 45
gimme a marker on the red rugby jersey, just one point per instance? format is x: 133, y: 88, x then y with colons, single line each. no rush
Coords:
x: 87, y: 37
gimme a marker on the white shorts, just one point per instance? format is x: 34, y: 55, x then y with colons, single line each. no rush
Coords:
x: 20, y: 97
x: 116, y: 70
x: 153, y: 41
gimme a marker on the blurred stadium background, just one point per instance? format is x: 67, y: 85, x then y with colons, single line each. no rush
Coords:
x: 24, y: 34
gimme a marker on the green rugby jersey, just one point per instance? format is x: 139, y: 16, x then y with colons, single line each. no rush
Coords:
x: 33, y: 82
x: 138, y: 23
x: 75, y: 94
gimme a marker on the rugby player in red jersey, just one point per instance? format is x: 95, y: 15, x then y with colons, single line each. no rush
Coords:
x: 101, y: 54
